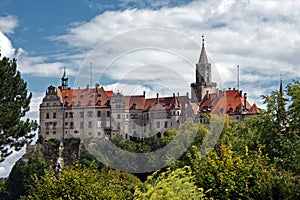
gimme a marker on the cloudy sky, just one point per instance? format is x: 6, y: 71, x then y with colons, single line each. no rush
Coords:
x: 152, y: 45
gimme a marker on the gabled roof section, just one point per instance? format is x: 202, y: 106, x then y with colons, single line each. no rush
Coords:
x: 88, y: 97
x: 230, y: 102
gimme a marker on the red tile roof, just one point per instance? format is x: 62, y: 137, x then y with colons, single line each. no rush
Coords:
x: 229, y: 101
x: 88, y: 97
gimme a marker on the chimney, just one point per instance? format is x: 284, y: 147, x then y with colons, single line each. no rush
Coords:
x: 157, y: 96
x: 187, y: 94
x: 245, y: 100
x: 174, y: 95
x: 87, y: 86
x: 229, y: 88
x: 144, y: 93
x: 78, y: 88
x: 177, y: 94
x: 241, y: 93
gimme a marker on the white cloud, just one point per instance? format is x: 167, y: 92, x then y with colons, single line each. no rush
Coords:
x: 39, y: 66
x: 8, y: 23
x: 263, y: 37
x: 6, y: 48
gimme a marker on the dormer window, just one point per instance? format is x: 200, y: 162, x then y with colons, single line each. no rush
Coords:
x: 98, y: 103
x: 67, y: 104
x: 79, y: 103
x: 134, y: 106
x: 230, y: 110
x: 108, y: 103
x: 73, y: 103
x: 90, y: 103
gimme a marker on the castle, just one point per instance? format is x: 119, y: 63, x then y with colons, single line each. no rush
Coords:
x: 98, y: 113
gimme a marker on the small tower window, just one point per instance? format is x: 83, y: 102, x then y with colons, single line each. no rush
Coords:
x: 98, y: 103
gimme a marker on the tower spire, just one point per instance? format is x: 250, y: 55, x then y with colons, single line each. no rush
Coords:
x: 64, y: 80
x: 280, y: 87
x: 203, y: 57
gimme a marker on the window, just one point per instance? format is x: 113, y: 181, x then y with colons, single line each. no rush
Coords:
x: 73, y: 103
x: 90, y: 113
x: 119, y: 125
x: 54, y: 115
x: 98, y: 124
x: 47, y: 125
x: 81, y: 125
x: 79, y: 103
x: 118, y: 116
x: 54, y: 132
x: 76, y: 132
x: 66, y: 114
x: 71, y: 114
x: 99, y: 113
x: 108, y: 113
x: 66, y: 124
x: 98, y: 103
x: 133, y: 106
x: 157, y: 124
x: 71, y: 125
x: 54, y: 104
x: 81, y: 114
x: 90, y: 124
x: 166, y: 124
x: 47, y: 132
x: 90, y: 103
x: 47, y: 115
x: 90, y: 133
x: 54, y: 125
x: 107, y: 124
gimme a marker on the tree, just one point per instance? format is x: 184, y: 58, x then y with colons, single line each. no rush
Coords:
x: 178, y: 184
x: 19, y: 180
x: 14, y: 103
x: 80, y: 182
x: 293, y: 90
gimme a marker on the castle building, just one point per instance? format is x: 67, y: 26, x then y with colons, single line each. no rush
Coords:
x: 98, y: 113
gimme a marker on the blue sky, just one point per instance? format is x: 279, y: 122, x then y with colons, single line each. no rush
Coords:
x: 137, y: 45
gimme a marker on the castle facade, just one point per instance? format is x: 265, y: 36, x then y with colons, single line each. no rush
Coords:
x: 97, y: 113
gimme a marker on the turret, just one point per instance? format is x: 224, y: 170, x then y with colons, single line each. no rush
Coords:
x: 64, y: 80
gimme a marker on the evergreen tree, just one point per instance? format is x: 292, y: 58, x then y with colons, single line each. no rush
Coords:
x: 14, y: 103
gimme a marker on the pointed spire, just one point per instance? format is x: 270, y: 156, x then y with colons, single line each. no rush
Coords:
x: 280, y: 87
x: 203, y: 58
x: 64, y: 80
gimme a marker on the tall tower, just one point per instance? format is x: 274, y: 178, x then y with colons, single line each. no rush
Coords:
x: 64, y: 80
x: 203, y: 82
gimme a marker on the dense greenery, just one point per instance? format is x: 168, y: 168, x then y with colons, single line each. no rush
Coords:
x: 255, y: 159
x: 14, y: 103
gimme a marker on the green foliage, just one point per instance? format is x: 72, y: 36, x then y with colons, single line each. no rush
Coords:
x: 79, y: 182
x: 14, y: 133
x: 19, y: 180
x: 169, y: 184
x: 293, y: 90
